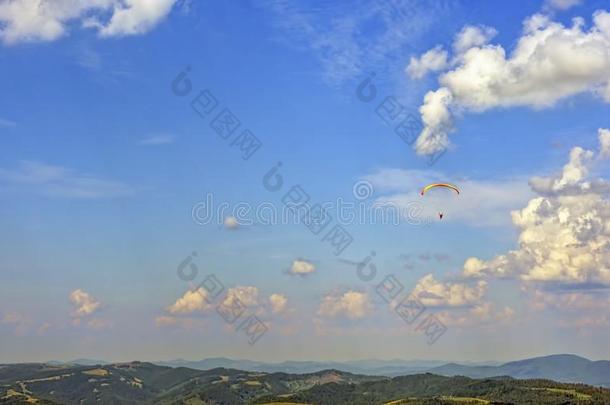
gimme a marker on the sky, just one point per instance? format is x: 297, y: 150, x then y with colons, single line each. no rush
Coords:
x: 164, y: 164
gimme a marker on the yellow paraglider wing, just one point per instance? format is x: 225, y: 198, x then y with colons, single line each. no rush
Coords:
x: 447, y: 185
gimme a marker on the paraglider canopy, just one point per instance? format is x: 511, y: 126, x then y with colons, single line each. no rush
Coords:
x: 447, y: 185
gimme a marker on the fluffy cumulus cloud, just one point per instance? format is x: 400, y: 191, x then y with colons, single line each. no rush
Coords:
x: 550, y: 63
x: 132, y: 17
x: 472, y: 36
x: 278, y: 303
x: 301, y: 267
x: 433, y: 293
x: 246, y: 295
x: 191, y: 301
x: 84, y: 304
x: 184, y: 311
x: 564, y: 232
x: 350, y: 304
x: 433, y: 60
x: 48, y: 20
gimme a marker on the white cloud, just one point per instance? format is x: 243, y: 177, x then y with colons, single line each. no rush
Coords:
x: 191, y: 301
x: 571, y: 177
x: 604, y: 142
x: 62, y: 182
x: 564, y: 237
x: 46, y: 20
x: 133, y: 17
x: 302, y: 267
x: 158, y: 140
x: 480, y: 203
x: 550, y: 63
x: 472, y: 36
x: 434, y: 293
x: 432, y: 61
x: 278, y: 303
x: 246, y: 295
x: 352, y: 304
x: 84, y: 304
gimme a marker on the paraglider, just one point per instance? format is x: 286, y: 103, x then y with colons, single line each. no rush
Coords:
x: 434, y: 185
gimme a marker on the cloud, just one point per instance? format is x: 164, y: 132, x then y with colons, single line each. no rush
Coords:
x: 480, y: 203
x: 472, y: 36
x: 301, y: 267
x: 191, y: 301
x: 550, y: 63
x: 83, y: 303
x: 351, y: 304
x: 46, y: 20
x: 62, y: 182
x: 196, y: 302
x: 164, y: 321
x: 343, y: 43
x: 433, y: 293
x: 132, y: 17
x: 571, y: 177
x: 478, y: 315
x: 604, y: 141
x: 564, y: 237
x: 278, y: 303
x: 561, y: 4
x: 432, y: 61
x: 158, y: 140
x: 231, y: 223
x: 246, y: 295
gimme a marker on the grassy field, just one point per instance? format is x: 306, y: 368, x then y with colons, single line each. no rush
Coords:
x: 443, y: 399
x: 572, y: 393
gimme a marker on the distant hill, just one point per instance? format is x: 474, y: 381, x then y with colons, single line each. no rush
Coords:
x: 389, y: 368
x: 147, y: 383
x: 562, y: 367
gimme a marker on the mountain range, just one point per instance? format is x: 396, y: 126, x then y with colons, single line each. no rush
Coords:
x: 147, y: 383
x: 561, y: 367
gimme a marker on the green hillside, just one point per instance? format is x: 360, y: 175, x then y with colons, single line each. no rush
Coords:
x: 145, y: 383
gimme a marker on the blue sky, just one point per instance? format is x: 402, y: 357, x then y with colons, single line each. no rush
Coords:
x: 101, y: 165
